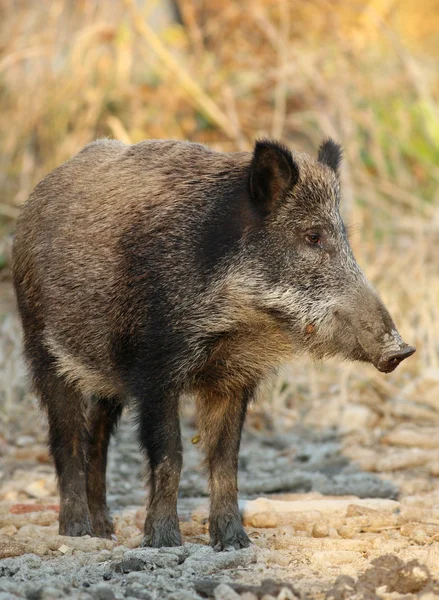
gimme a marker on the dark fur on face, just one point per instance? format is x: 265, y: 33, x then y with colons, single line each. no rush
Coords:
x: 164, y: 268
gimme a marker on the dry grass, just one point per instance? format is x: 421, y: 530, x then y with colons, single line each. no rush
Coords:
x: 234, y: 70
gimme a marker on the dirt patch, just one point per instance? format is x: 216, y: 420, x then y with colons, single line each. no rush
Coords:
x: 309, y: 544
x: 341, y: 503
x: 388, y: 574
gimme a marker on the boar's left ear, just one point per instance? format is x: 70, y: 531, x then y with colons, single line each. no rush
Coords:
x: 330, y: 154
x: 273, y: 173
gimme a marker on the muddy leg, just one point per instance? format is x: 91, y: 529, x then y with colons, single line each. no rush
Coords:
x: 160, y: 437
x: 220, y: 420
x: 68, y: 439
x: 103, y: 417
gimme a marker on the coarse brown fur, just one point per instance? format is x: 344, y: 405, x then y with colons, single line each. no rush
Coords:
x: 163, y: 268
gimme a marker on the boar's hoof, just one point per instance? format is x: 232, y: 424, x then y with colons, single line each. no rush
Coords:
x: 162, y: 533
x: 227, y: 533
x: 75, y: 528
x: 102, y: 525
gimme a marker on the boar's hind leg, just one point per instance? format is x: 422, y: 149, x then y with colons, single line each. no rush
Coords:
x: 220, y: 421
x: 103, y: 417
x: 160, y: 437
x: 68, y: 438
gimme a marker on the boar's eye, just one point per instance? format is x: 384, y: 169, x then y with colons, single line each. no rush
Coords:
x: 313, y: 239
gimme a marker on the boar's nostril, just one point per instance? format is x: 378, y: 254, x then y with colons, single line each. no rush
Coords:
x: 389, y: 362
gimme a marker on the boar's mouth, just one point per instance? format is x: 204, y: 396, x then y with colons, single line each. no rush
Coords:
x: 388, y: 362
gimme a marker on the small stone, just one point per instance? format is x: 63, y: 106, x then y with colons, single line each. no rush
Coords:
x: 34, y: 593
x: 420, y: 532
x: 344, y: 587
x: 52, y: 593
x: 33, y: 561
x: 83, y: 544
x: 24, y: 440
x: 9, y: 570
x: 137, y: 590
x: 347, y: 531
x: 166, y: 560
x: 39, y: 489
x: 320, y: 530
x: 102, y: 556
x: 413, y: 577
x: 10, y: 547
x: 102, y: 591
x: 134, y: 542
x: 355, y: 510
x: 181, y: 595
x: 412, y: 436
x: 8, y: 530
x: 200, y: 514
x: 128, y: 565
x: 419, y: 535
x: 285, y: 594
x: 125, y: 533
x: 402, y: 459
x: 120, y: 551
x: 225, y: 592
x: 64, y: 548
x: 263, y: 519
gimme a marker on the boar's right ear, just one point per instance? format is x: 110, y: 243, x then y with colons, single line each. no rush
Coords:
x: 330, y: 154
x: 273, y: 173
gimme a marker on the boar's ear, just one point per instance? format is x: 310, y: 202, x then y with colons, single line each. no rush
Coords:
x: 330, y: 154
x: 273, y: 173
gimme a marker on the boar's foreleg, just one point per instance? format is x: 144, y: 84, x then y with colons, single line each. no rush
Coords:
x: 161, y: 439
x: 103, y: 417
x: 220, y: 421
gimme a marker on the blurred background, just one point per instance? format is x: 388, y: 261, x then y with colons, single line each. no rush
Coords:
x: 225, y: 72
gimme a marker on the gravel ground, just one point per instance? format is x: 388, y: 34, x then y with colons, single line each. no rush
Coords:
x: 303, y: 490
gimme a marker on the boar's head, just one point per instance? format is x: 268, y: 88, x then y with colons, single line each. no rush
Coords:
x: 300, y: 267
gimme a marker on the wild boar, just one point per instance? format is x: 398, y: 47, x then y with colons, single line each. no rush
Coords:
x: 163, y: 268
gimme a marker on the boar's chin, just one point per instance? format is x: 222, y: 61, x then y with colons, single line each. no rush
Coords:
x: 331, y: 340
x: 346, y: 347
x: 353, y: 355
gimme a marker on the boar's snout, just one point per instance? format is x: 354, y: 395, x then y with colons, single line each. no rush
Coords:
x: 388, y: 362
x: 368, y: 332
